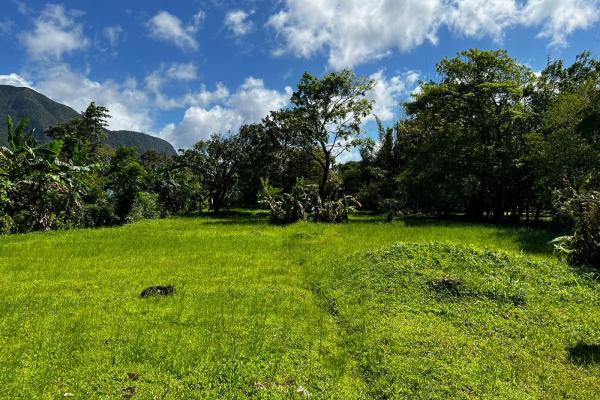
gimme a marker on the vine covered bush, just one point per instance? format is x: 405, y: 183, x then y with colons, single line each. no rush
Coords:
x: 583, y: 246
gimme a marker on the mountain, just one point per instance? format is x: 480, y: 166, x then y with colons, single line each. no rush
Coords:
x: 19, y: 102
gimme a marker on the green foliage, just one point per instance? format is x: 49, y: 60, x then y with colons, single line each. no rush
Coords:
x: 287, y: 208
x: 326, y: 116
x: 81, y: 136
x: 475, y: 122
x: 582, y: 212
x: 38, y: 190
x: 390, y: 208
x: 145, y: 206
x: 216, y: 162
x: 334, y: 211
x: 125, y: 176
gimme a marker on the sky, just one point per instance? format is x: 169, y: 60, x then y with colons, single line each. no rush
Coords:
x: 183, y: 70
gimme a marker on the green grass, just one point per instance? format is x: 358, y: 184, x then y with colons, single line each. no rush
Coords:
x: 279, y: 312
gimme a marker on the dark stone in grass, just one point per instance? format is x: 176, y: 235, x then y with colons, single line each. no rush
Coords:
x: 134, y: 376
x: 585, y: 354
x: 157, y: 290
x: 448, y: 284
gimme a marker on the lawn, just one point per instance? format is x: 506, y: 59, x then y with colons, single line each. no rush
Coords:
x: 310, y: 310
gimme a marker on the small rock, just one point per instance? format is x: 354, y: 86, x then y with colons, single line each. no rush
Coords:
x: 68, y: 394
x: 157, y: 290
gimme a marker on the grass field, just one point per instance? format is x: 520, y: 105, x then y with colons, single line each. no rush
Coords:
x: 308, y: 310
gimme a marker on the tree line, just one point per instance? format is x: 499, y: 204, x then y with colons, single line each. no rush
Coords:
x: 489, y: 139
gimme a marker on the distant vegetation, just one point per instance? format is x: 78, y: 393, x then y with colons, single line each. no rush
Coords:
x: 489, y: 140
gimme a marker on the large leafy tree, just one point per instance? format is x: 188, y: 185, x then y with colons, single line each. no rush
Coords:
x: 216, y: 161
x: 475, y: 120
x: 326, y: 116
x: 565, y: 148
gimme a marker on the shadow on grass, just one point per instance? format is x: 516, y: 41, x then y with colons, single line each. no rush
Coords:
x: 532, y: 241
x: 585, y: 354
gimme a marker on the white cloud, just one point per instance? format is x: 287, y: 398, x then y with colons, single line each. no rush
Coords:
x: 220, y: 111
x: 477, y: 18
x: 55, y: 33
x: 113, y: 34
x: 183, y: 72
x: 352, y: 32
x: 14, y: 80
x: 128, y: 105
x: 388, y: 93
x: 175, y: 72
x: 238, y: 23
x: 167, y: 27
x: 560, y: 18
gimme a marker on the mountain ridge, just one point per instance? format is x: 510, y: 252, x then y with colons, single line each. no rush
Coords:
x: 43, y: 112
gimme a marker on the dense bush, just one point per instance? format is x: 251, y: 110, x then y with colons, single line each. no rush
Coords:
x: 304, y: 202
x: 390, y: 208
x: 583, y: 246
x: 145, y: 206
x: 287, y: 208
x: 334, y: 211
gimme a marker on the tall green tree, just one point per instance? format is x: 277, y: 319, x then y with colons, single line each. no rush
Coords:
x: 82, y: 136
x: 216, y: 161
x: 326, y: 115
x: 480, y: 109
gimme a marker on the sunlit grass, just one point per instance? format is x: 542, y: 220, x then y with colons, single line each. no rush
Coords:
x: 245, y: 321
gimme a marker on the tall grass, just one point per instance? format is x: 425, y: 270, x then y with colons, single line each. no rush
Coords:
x: 245, y: 322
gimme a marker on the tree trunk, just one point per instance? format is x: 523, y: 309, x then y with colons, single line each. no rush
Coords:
x: 325, y: 177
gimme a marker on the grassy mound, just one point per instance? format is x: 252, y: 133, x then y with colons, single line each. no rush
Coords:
x: 447, y: 321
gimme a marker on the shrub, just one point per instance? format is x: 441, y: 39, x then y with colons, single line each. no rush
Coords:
x: 100, y: 213
x: 6, y: 224
x: 145, y: 206
x: 304, y: 200
x: 390, y: 208
x: 583, y: 246
x: 335, y: 211
x: 288, y: 208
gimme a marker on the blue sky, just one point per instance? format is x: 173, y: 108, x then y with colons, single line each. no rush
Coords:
x: 185, y: 69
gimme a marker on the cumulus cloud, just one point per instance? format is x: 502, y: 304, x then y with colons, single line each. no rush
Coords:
x: 182, y: 71
x: 14, y: 80
x: 55, y: 33
x: 238, y: 23
x: 129, y: 105
x: 169, y: 28
x: 352, y: 32
x: 389, y: 92
x: 477, y: 18
x: 560, y: 18
x: 174, y: 72
x: 220, y: 111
